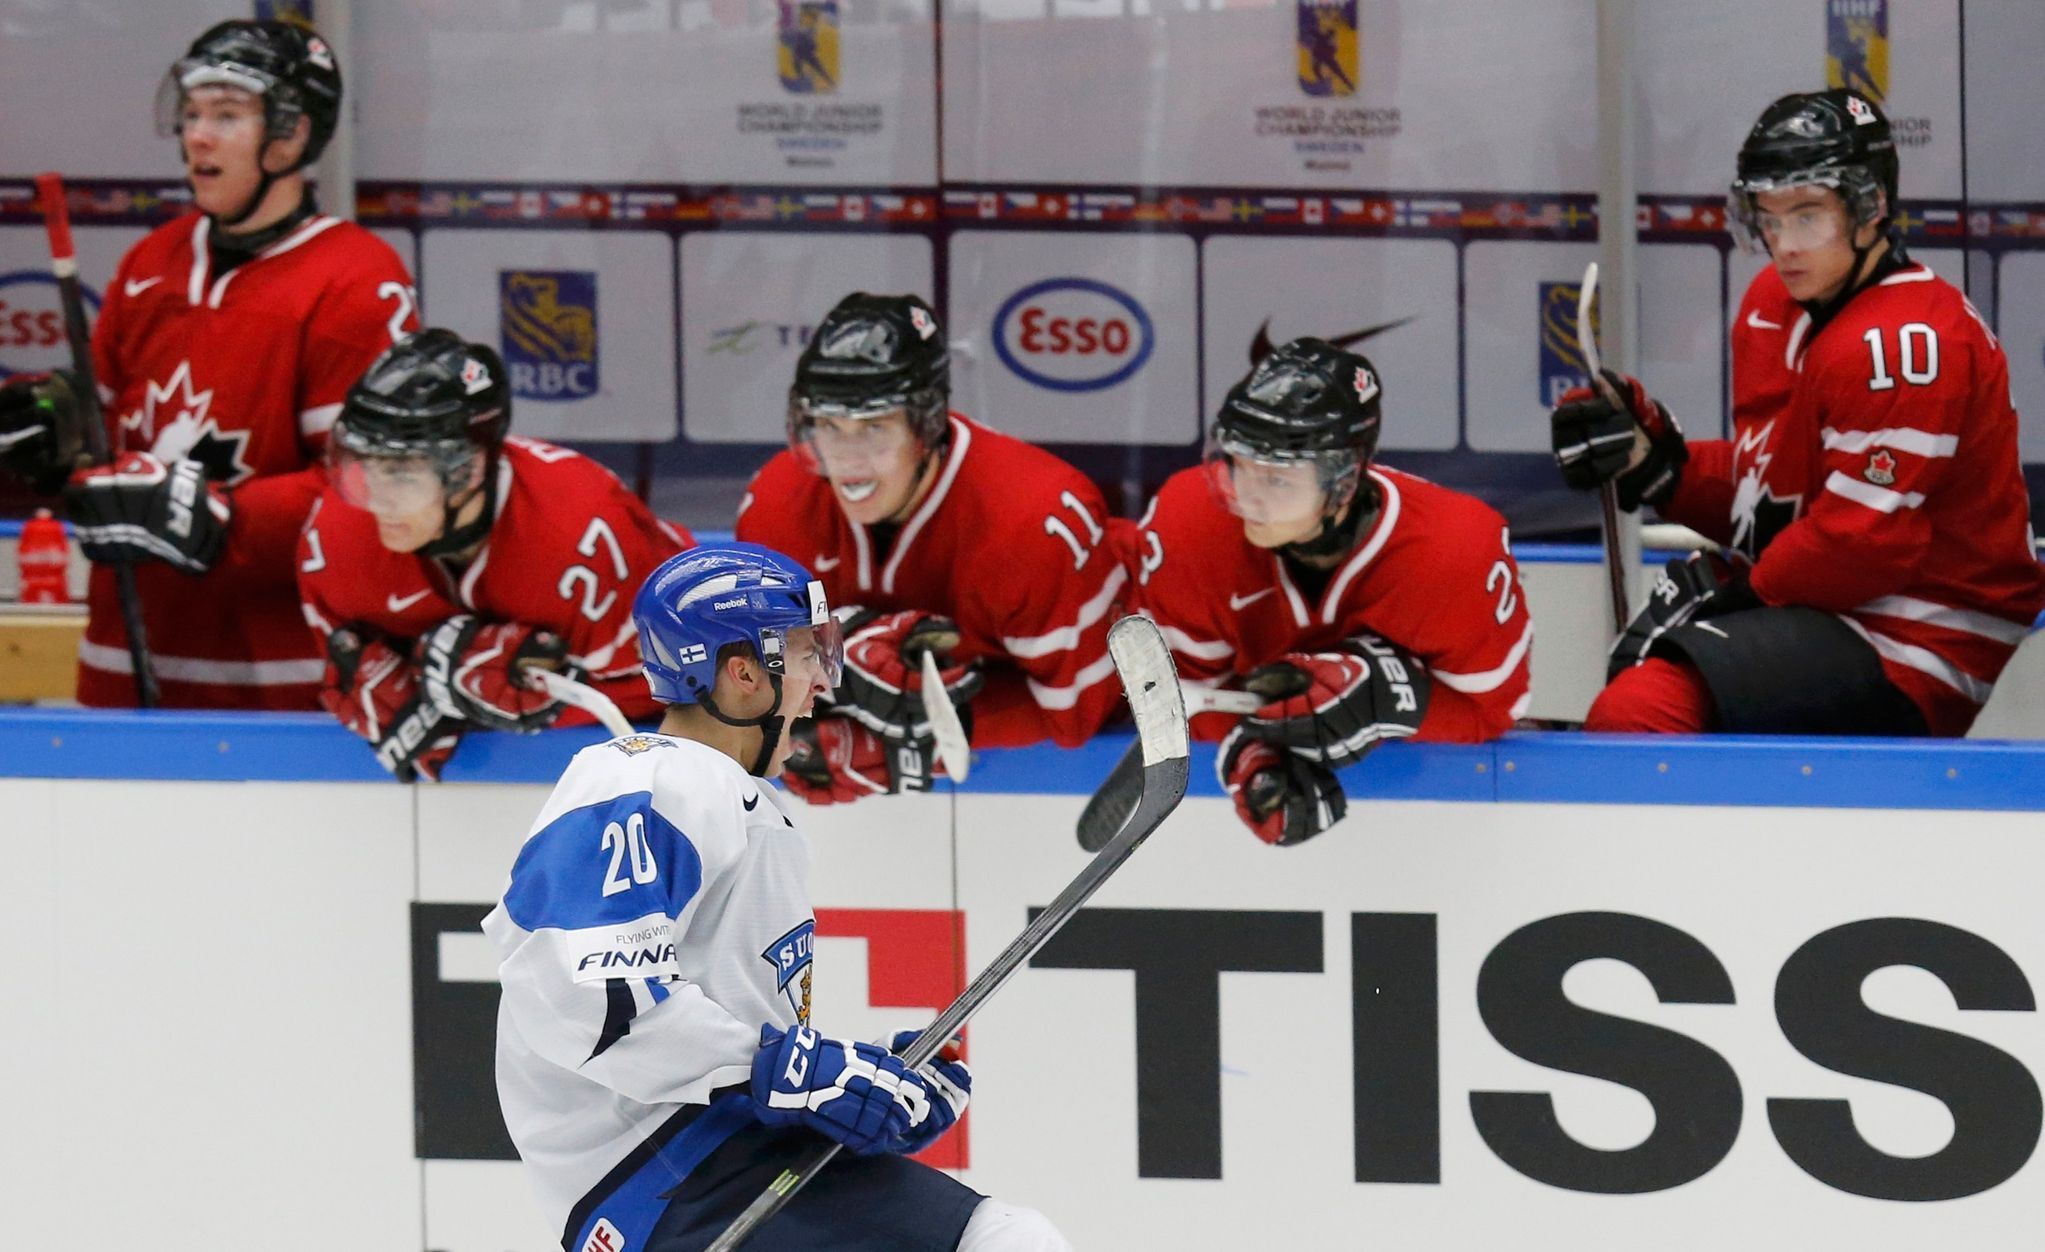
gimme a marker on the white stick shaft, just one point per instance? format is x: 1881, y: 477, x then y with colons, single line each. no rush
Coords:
x: 584, y: 697
x: 953, y: 752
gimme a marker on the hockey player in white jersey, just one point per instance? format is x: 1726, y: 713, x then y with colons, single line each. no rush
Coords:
x: 655, y: 1059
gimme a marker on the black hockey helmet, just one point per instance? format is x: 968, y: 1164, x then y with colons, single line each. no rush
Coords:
x: 871, y: 356
x: 289, y: 66
x: 1308, y: 402
x: 1837, y: 138
x: 431, y: 395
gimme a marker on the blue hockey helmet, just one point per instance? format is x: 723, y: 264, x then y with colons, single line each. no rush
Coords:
x: 704, y: 599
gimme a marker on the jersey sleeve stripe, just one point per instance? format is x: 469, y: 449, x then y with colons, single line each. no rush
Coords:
x: 1066, y: 638
x: 1924, y: 661
x: 1966, y: 621
x: 1491, y: 679
x: 1198, y: 649
x: 317, y: 420
x: 1901, y: 438
x: 1060, y: 698
x: 191, y: 669
x: 1880, y: 499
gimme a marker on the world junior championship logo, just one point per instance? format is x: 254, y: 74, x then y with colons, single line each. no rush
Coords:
x: 1327, y: 47
x: 806, y: 48
x: 1562, y: 363
x: 548, y: 330
x: 1857, y: 47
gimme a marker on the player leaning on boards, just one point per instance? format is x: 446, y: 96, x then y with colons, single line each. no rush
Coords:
x: 225, y: 344
x: 948, y: 536
x: 446, y: 556
x: 1879, y: 569
x: 655, y: 1059
x: 1363, y: 603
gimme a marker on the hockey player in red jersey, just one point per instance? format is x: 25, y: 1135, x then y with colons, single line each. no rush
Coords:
x: 225, y: 343
x: 1364, y: 604
x: 445, y: 557
x: 1879, y: 568
x: 946, y: 536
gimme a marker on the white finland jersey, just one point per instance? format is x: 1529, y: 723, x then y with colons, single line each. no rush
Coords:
x: 657, y: 915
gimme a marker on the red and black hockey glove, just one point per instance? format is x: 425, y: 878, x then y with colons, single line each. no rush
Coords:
x: 1594, y: 441
x: 883, y: 684
x: 475, y: 670
x: 41, y: 429
x: 1689, y: 589
x: 143, y: 509
x: 375, y: 691
x: 835, y: 760
x: 1280, y: 795
x: 1334, y: 707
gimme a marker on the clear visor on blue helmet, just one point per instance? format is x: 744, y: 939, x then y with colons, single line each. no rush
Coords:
x: 780, y: 648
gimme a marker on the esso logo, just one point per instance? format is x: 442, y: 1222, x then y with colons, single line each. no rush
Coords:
x: 1073, y: 334
x: 32, y: 323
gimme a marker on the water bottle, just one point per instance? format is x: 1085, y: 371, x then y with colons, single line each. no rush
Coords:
x: 44, y: 557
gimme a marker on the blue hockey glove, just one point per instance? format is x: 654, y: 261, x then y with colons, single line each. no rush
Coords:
x: 858, y: 1094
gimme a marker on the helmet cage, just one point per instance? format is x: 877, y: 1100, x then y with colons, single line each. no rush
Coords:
x: 1857, y: 185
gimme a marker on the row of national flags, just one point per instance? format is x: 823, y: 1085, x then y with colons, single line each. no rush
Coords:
x: 1558, y: 216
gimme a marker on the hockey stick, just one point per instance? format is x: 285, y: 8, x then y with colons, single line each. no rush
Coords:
x: 1608, y: 494
x: 64, y: 264
x: 584, y: 697
x: 1111, y: 805
x: 953, y: 752
x: 1145, y: 665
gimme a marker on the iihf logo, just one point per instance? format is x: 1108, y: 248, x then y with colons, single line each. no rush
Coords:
x: 1562, y: 363
x: 548, y: 328
x: 1327, y: 51
x: 807, y: 49
x: 1857, y: 48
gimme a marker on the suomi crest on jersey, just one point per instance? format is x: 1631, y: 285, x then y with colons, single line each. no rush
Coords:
x: 791, y: 956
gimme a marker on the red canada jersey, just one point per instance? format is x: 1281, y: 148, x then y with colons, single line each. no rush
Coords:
x: 1873, y: 472
x: 1434, y: 575
x: 1010, y: 544
x: 244, y: 371
x: 567, y: 551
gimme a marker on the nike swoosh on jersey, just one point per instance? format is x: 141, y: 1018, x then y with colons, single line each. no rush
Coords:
x: 134, y: 287
x: 397, y: 605
x: 752, y: 802
x: 1239, y: 603
x: 827, y: 563
x: 1755, y: 320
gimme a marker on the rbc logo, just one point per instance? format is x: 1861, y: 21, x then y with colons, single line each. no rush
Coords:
x: 807, y: 54
x: 1327, y: 47
x: 32, y: 323
x: 1072, y: 334
x: 547, y: 324
x: 1562, y: 363
x: 1857, y: 47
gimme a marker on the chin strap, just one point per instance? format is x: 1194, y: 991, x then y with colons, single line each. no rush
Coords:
x: 455, y: 540
x: 1339, y: 529
x: 771, y: 724
x: 1823, y: 311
